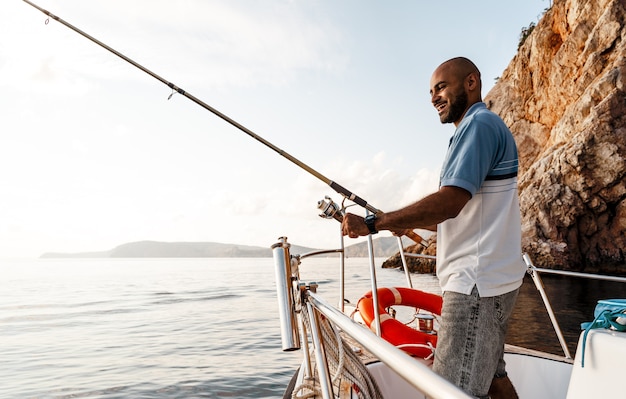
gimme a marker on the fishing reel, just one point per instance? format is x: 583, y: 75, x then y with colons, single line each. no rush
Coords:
x: 330, y: 209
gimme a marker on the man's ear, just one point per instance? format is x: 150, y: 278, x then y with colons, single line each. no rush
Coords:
x: 471, y: 81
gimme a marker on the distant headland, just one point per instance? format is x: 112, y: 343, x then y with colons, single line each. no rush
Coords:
x: 383, y: 247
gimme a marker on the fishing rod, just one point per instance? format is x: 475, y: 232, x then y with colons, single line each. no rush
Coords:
x: 175, y: 89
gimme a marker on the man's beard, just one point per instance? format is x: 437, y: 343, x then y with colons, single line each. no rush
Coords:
x: 457, y: 108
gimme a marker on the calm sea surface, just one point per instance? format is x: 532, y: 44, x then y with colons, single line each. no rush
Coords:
x: 190, y: 328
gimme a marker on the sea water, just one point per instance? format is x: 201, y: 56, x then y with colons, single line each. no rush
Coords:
x: 179, y: 328
x: 149, y: 328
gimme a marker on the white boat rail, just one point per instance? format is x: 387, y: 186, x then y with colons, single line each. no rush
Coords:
x: 293, y: 294
x: 415, y: 373
x: 532, y: 271
x: 535, y: 273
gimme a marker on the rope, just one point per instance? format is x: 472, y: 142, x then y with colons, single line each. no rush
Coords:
x: 427, y: 346
x: 606, y: 318
x: 311, y: 387
x: 341, y: 357
x: 343, y: 363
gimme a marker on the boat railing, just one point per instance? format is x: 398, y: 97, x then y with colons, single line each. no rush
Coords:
x: 294, y: 295
x: 414, y: 372
x: 535, y: 274
x: 423, y: 256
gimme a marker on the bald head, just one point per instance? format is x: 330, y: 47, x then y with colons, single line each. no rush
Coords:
x: 460, y: 68
x: 461, y: 64
x: 454, y: 87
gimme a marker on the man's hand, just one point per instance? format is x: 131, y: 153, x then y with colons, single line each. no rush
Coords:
x: 400, y: 233
x: 354, y: 226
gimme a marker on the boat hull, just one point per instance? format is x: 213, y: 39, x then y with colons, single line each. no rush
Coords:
x: 605, y: 366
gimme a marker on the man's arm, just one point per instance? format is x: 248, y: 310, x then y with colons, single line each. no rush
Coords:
x: 426, y: 213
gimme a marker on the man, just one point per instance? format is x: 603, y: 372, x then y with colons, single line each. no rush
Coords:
x: 477, y: 218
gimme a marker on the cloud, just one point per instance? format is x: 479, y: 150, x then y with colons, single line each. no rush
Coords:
x: 216, y: 44
x: 386, y: 184
x: 286, y: 203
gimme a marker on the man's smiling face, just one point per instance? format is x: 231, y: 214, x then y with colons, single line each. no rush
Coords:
x: 448, y: 95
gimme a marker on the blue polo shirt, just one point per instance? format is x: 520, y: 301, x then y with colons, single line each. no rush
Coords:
x: 482, y: 148
x: 482, y: 246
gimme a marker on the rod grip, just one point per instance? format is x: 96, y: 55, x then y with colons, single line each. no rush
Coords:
x: 417, y: 238
x: 351, y: 196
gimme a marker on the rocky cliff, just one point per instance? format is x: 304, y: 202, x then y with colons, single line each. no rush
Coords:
x: 564, y: 97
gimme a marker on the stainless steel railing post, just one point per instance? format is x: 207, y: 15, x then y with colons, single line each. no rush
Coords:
x: 284, y: 290
x: 404, y: 264
x: 342, y: 273
x: 308, y: 368
x: 325, y: 382
x: 532, y: 270
x: 370, y: 250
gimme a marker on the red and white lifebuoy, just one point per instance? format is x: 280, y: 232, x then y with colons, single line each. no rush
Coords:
x: 395, y: 332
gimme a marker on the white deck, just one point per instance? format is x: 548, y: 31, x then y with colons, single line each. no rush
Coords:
x: 537, y: 375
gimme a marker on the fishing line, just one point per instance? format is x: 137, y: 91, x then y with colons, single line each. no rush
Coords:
x: 175, y: 89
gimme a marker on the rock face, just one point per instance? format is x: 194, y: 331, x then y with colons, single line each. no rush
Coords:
x: 564, y: 98
x: 416, y: 265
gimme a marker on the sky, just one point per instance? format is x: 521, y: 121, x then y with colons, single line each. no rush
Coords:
x: 94, y: 155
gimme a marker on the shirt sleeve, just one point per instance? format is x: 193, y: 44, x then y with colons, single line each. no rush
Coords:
x: 470, y: 156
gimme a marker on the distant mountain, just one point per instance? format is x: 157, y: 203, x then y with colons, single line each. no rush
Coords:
x: 383, y: 247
